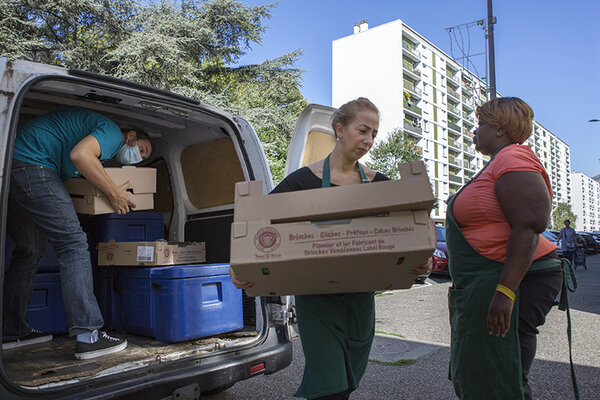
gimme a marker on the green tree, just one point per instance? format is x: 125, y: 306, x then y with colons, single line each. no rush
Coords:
x: 397, y: 147
x: 190, y: 47
x: 561, y: 213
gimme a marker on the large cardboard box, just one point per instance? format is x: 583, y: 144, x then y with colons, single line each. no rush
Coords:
x: 157, y: 253
x: 88, y: 199
x: 411, y: 192
x: 372, y: 237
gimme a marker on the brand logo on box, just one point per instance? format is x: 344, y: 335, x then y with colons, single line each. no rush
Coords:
x: 167, y: 253
x: 267, y: 239
x: 109, y: 256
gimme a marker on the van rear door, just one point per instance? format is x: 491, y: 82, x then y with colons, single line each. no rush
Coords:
x: 255, y: 153
x: 313, y: 138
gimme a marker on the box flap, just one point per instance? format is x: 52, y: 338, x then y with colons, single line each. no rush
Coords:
x: 411, y: 192
x: 143, y: 180
x: 421, y: 217
x: 248, y: 188
x: 239, y: 229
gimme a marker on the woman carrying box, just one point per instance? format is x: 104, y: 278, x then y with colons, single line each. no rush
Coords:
x: 337, y: 330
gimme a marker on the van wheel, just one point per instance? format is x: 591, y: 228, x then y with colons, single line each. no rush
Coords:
x: 216, y: 391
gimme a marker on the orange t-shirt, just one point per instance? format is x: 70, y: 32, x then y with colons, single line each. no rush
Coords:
x: 478, y: 213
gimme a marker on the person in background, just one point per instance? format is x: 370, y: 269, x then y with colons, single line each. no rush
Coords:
x: 48, y: 150
x: 337, y: 330
x: 498, y: 261
x: 568, y: 242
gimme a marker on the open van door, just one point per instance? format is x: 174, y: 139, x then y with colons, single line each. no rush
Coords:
x: 312, y: 140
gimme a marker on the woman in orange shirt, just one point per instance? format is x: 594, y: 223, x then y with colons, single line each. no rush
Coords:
x: 498, y: 261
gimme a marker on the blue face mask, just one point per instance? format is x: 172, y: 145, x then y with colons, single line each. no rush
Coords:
x: 128, y: 155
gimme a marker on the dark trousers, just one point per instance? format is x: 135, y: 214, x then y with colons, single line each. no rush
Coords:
x: 537, y: 295
x: 569, y: 255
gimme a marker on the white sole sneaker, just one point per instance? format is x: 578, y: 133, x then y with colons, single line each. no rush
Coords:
x: 101, y: 352
x: 31, y: 339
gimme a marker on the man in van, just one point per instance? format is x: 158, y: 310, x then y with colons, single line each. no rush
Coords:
x: 48, y: 150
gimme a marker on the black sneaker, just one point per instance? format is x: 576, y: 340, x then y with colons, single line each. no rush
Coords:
x: 34, y: 337
x: 105, y: 344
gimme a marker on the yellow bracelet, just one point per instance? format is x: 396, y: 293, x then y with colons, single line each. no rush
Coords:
x: 507, y: 292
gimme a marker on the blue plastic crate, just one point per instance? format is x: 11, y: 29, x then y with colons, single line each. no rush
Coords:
x: 46, y: 311
x: 135, y: 226
x: 175, y: 303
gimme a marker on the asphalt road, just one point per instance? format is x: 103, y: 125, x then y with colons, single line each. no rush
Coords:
x: 421, y: 316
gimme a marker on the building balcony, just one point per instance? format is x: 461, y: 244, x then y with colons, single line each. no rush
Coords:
x: 454, y: 111
x: 412, y: 127
x: 453, y: 94
x: 413, y: 73
x: 412, y: 90
x: 412, y: 108
x: 452, y: 144
x: 455, y: 179
x: 453, y: 161
x: 453, y: 126
x: 411, y: 52
x: 469, y: 165
x: 454, y: 78
x: 468, y: 150
x: 468, y: 104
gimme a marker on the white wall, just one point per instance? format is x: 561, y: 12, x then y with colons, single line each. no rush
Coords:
x: 369, y: 64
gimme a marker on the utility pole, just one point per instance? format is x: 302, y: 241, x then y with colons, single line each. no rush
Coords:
x: 491, y: 20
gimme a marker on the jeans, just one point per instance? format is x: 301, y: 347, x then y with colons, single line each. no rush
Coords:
x: 40, y: 211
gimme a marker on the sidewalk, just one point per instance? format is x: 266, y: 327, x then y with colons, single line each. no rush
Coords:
x: 421, y: 316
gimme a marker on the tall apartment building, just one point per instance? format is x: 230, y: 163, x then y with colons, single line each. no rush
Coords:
x: 423, y: 91
x: 586, y: 202
x: 555, y: 155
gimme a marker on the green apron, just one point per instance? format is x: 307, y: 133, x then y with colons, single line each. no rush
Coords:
x: 482, y: 366
x: 336, y: 331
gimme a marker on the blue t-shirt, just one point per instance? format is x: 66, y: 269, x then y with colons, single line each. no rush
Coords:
x: 47, y: 140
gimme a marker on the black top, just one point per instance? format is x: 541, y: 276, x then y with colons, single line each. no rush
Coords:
x: 304, y: 179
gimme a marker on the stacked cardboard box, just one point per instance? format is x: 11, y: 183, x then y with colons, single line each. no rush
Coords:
x: 88, y: 199
x: 157, y: 253
x: 349, y: 238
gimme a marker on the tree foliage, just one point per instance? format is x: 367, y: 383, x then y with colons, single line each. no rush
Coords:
x: 397, y: 147
x: 190, y: 47
x: 561, y: 213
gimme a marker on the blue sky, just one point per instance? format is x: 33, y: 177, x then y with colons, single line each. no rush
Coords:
x: 547, y: 52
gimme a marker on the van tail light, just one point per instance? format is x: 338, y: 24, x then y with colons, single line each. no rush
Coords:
x: 257, y: 368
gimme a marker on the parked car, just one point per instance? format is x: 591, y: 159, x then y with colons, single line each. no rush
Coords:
x: 595, y: 236
x: 200, y: 152
x: 552, y: 237
x: 590, y: 243
x: 440, y: 254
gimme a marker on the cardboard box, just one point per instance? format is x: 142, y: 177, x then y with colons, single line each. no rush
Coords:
x: 159, y: 252
x: 370, y: 236
x: 357, y: 255
x: 88, y: 199
x: 411, y: 192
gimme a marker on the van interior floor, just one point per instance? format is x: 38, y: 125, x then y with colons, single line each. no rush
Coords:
x: 54, y: 362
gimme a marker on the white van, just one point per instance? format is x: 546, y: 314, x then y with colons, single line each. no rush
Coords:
x: 200, y: 153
